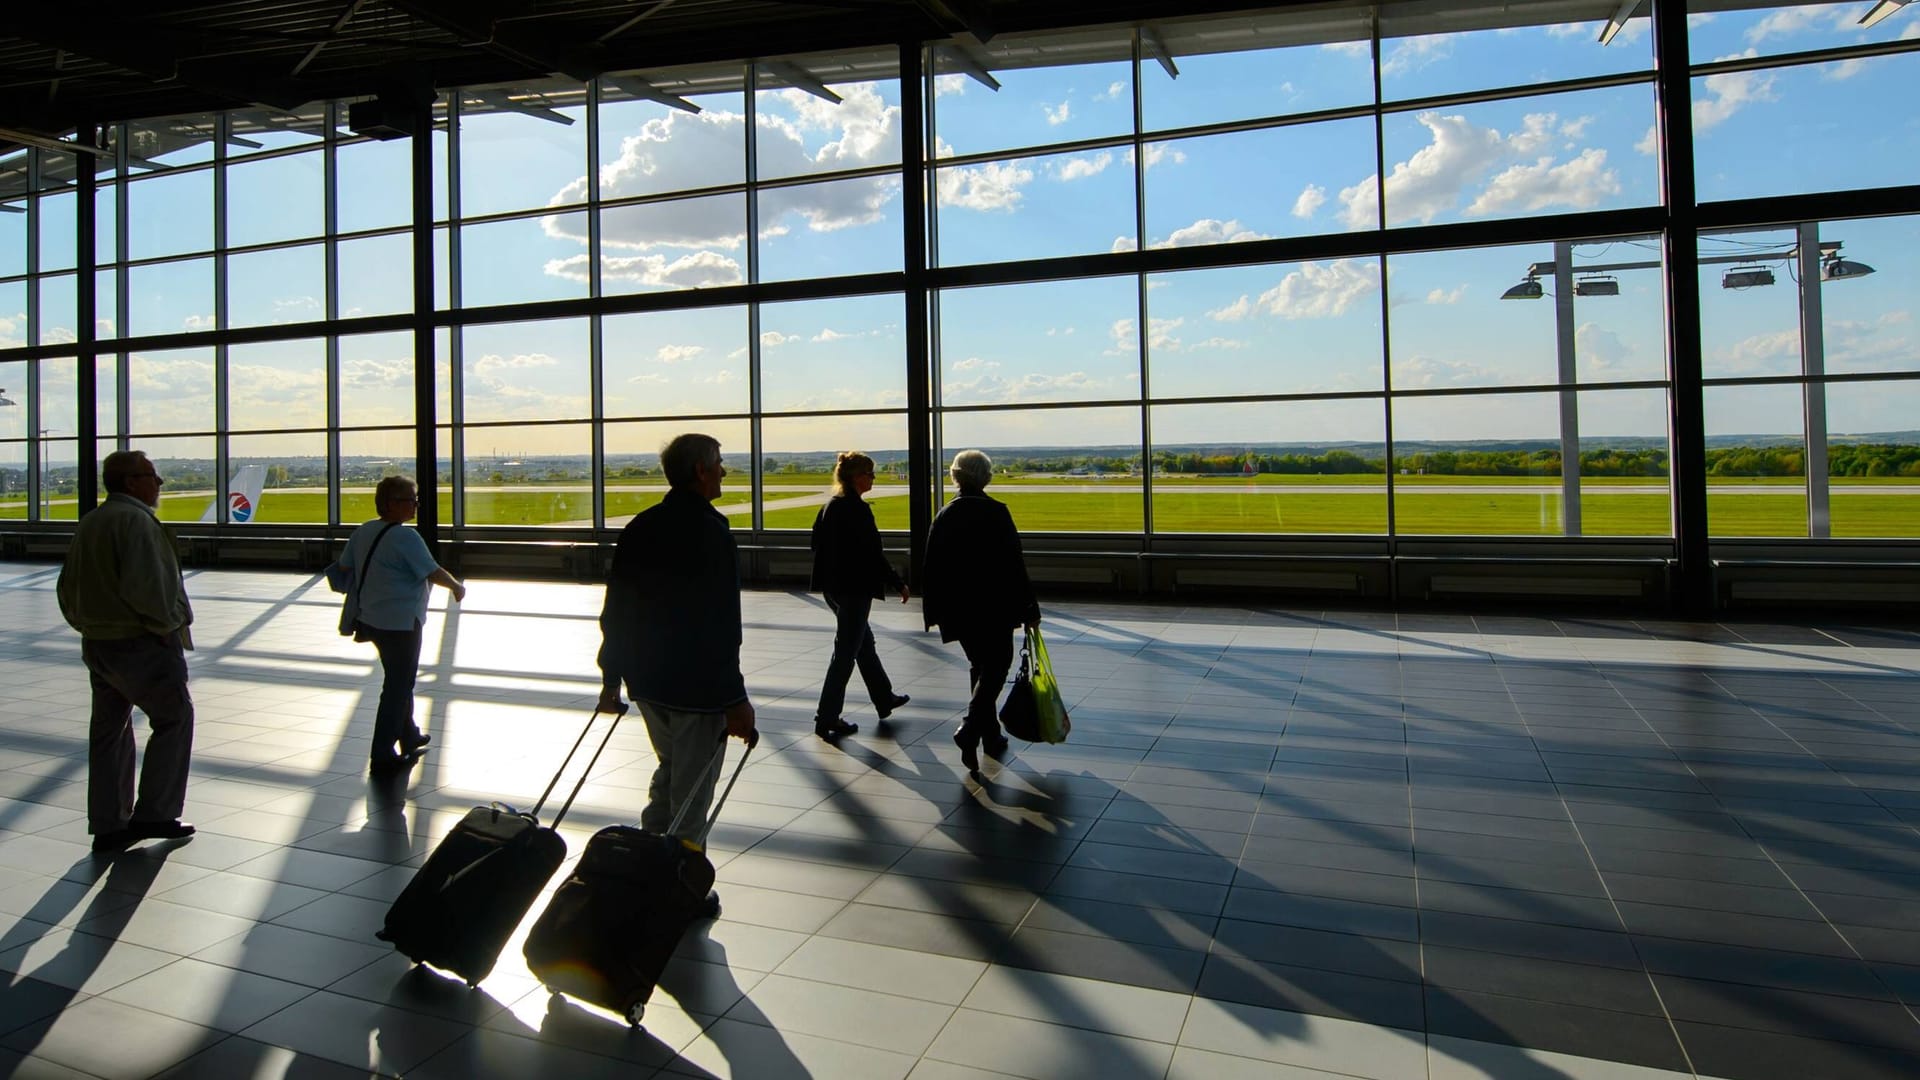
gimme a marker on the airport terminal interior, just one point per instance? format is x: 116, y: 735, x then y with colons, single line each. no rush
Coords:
x: 1465, y: 452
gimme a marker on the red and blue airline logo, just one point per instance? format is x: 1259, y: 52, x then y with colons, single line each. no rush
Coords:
x: 238, y: 508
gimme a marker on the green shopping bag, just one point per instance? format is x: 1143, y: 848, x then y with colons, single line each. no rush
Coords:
x: 1054, y: 724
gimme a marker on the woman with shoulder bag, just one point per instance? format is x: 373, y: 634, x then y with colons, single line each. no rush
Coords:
x: 851, y: 571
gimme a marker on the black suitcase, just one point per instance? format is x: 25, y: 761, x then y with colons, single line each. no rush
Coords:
x: 464, y: 903
x: 611, y: 927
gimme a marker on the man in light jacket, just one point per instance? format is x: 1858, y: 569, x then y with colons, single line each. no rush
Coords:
x: 121, y: 589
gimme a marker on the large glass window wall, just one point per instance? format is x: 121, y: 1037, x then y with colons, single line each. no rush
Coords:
x: 1183, y: 280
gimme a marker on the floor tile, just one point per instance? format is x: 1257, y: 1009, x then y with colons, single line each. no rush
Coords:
x: 357, y: 1033
x: 208, y: 994
x: 843, y: 1014
x: 1315, y: 1042
x: 142, y: 1042
x: 736, y: 1050
x: 1036, y: 1048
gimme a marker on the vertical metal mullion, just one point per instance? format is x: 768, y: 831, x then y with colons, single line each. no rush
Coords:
x: 915, y: 92
x: 30, y: 393
x: 86, y: 374
x: 1141, y: 313
x: 1813, y: 360
x: 223, y: 124
x: 929, y: 179
x: 122, y: 298
x: 1692, y: 585
x: 1564, y: 349
x: 596, y: 381
x: 330, y: 218
x: 755, y: 480
x: 456, y: 299
x: 425, y: 430
x: 1386, y: 315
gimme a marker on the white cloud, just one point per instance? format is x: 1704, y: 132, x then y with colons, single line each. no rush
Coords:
x: 1034, y: 386
x: 973, y: 363
x: 1112, y: 92
x: 1649, y: 143
x: 770, y: 339
x: 1773, y: 352
x: 1788, y: 22
x: 994, y: 186
x: 1600, y: 349
x: 13, y: 331
x: 1160, y: 154
x: 1431, y: 181
x: 1350, y: 48
x: 1567, y: 30
x: 828, y: 334
x: 1312, y: 198
x: 652, y: 377
x: 492, y: 362
x: 1058, y: 114
x: 1076, y: 168
x: 720, y: 378
x: 1413, y: 53
x: 1425, y: 371
x: 950, y: 85
x: 1843, y: 70
x: 1217, y: 343
x: 1209, y: 231
x: 1123, y: 243
x: 1729, y: 92
x: 1314, y: 291
x: 673, y: 354
x: 1536, y: 132
x: 1582, y: 183
x: 1576, y: 129
x: 1443, y: 296
x: 197, y: 322
x: 701, y: 269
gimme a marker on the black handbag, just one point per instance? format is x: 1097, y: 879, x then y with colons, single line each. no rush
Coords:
x: 1020, y: 716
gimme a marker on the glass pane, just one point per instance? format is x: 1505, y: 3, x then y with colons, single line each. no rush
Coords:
x: 634, y: 480
x: 1756, y: 461
x: 682, y: 244
x: 1619, y: 311
x: 376, y: 276
x: 1749, y: 306
x: 107, y: 399
x: 173, y: 140
x: 279, y: 384
x: 1294, y: 328
x: 1058, y: 470
x: 522, y: 147
x: 1264, y: 64
x: 675, y: 363
x: 1442, y: 49
x: 376, y: 379
x: 796, y: 466
x: 824, y: 230
x: 514, y: 262
x: 1034, y: 208
x: 57, y: 227
x: 1560, y: 153
x: 170, y: 214
x: 59, y: 396
x: 1449, y: 327
x: 59, y: 309
x: 1871, y: 456
x: 1477, y: 466
x: 1867, y: 320
x: 526, y: 371
x: 832, y: 354
x: 13, y: 315
x: 170, y: 298
x: 59, y: 481
x: 13, y: 236
x: 366, y: 458
x: 647, y: 148
x: 284, y: 285
x: 106, y: 225
x: 106, y: 304
x: 1053, y: 89
x: 374, y: 181
x: 1234, y: 187
x: 186, y: 466
x: 1624, y: 471
x: 1766, y: 29
x: 13, y: 468
x: 801, y: 133
x: 1270, y: 467
x: 538, y: 475
x: 275, y: 199
x: 1041, y: 341
x: 294, y: 484
x: 170, y: 392
x: 1741, y: 120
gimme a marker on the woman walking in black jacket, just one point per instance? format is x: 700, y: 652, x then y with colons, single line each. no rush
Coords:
x: 851, y: 571
x: 975, y: 588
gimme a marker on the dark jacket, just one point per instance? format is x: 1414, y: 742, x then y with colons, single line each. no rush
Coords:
x: 847, y: 558
x: 975, y: 580
x: 671, y: 622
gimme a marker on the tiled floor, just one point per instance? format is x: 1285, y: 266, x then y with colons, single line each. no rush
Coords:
x: 1279, y: 844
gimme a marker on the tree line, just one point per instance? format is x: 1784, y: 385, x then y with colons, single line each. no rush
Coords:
x: 1843, y: 459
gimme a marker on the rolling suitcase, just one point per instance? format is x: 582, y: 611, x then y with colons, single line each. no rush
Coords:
x: 610, y: 928
x: 465, y: 901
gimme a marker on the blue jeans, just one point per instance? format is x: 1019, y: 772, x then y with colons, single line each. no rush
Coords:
x: 852, y: 645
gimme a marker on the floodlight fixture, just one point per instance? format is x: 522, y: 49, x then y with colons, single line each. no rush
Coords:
x: 1528, y: 289
x: 1597, y: 285
x: 1835, y: 268
x: 1881, y: 10
x: 1746, y: 277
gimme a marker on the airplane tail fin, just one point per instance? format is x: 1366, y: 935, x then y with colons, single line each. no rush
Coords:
x: 243, y: 496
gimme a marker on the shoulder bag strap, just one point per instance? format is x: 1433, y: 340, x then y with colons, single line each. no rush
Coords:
x: 366, y: 564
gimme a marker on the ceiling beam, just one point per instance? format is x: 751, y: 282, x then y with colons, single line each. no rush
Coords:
x: 153, y: 51
x: 477, y: 22
x: 973, y: 17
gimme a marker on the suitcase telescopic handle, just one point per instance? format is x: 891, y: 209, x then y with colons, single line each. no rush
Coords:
x: 713, y: 766
x: 568, y: 760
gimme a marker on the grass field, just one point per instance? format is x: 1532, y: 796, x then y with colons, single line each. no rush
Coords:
x: 1493, y: 511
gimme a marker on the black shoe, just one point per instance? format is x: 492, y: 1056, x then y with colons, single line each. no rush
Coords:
x: 969, y: 745
x: 996, y: 747
x: 893, y: 703
x: 112, y: 843
x: 393, y: 765
x: 158, y: 830
x: 832, y: 730
x: 710, y: 907
x: 412, y: 747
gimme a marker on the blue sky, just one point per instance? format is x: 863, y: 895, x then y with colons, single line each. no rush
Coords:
x: 1315, y: 327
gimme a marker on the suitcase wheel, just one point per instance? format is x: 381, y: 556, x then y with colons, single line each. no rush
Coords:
x: 636, y: 1013
x: 473, y: 984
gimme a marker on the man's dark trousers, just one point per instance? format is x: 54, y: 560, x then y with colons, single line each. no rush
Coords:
x: 148, y: 672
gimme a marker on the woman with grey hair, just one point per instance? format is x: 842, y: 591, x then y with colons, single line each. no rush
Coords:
x: 975, y: 589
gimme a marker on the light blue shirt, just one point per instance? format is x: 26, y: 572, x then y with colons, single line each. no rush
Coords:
x: 393, y: 590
